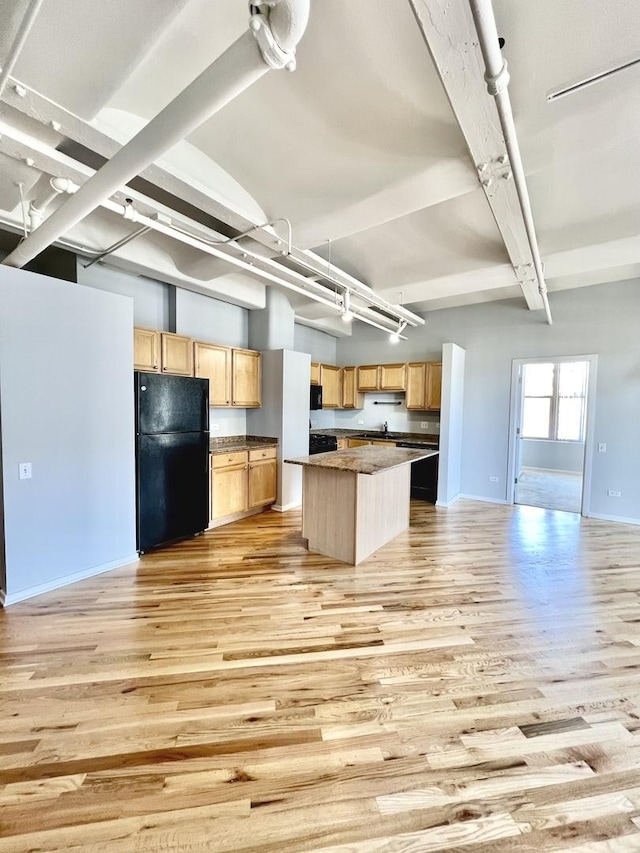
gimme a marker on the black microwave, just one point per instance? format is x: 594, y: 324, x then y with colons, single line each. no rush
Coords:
x: 315, y: 397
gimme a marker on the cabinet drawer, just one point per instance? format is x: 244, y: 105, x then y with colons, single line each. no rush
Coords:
x: 224, y: 460
x: 263, y: 453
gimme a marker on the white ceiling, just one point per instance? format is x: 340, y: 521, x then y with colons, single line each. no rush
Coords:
x: 360, y: 146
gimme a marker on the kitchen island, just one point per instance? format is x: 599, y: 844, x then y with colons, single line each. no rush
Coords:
x: 354, y: 501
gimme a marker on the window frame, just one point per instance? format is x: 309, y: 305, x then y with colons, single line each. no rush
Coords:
x: 554, y: 402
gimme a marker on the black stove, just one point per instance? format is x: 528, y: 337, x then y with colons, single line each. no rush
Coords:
x: 322, y: 443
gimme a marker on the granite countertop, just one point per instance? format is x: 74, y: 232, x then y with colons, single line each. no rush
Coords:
x: 363, y: 460
x: 229, y: 443
x: 415, y: 437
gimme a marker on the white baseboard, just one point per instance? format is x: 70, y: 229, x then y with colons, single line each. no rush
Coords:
x: 286, y: 507
x: 485, y: 499
x: 447, y: 504
x: 551, y: 470
x: 620, y: 519
x: 50, y: 586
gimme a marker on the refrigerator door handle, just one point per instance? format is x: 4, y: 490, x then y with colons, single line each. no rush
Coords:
x: 205, y: 406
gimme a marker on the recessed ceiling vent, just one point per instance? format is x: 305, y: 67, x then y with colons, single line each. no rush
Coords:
x: 570, y: 88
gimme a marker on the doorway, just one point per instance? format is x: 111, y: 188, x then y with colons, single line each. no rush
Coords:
x: 551, y: 432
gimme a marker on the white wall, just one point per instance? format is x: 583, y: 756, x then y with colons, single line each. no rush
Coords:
x: 602, y: 320
x: 150, y: 298
x: 372, y: 416
x: 552, y: 455
x: 272, y: 326
x: 161, y: 306
x: 451, y: 424
x: 66, y: 396
x: 284, y: 416
x: 320, y: 346
x: 369, y: 346
x: 210, y: 320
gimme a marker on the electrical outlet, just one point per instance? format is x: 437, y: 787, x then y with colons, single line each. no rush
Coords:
x: 602, y: 447
x: 360, y: 423
x: 493, y: 479
x: 215, y: 427
x: 613, y: 494
x: 25, y: 471
x: 424, y: 424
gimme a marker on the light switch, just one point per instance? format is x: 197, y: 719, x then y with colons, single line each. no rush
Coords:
x: 25, y: 470
x: 602, y: 447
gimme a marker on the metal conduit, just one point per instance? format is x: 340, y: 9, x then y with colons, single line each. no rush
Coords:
x: 497, y: 78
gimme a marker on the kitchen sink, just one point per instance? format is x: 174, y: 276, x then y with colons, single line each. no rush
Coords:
x: 372, y: 435
x: 368, y: 435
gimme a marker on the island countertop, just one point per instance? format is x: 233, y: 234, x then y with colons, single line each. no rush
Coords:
x: 363, y: 460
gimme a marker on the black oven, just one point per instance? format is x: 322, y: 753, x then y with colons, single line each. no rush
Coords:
x: 322, y: 443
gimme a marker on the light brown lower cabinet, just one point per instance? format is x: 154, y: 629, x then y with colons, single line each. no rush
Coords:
x: 229, y: 484
x: 263, y: 479
x: 356, y: 442
x: 242, y: 481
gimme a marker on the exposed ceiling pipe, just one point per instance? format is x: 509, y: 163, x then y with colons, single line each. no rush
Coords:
x: 162, y: 225
x: 269, y: 43
x: 21, y: 36
x: 497, y: 78
x: 123, y: 241
x: 48, y: 158
x: 314, y: 263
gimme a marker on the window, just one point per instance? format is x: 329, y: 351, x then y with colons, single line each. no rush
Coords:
x: 554, y: 402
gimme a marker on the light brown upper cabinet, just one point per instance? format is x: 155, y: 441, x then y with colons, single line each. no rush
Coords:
x: 392, y: 377
x: 177, y: 354
x: 382, y: 377
x: 351, y: 399
x: 234, y: 374
x: 146, y: 350
x: 424, y: 381
x: 246, y: 381
x: 315, y: 373
x: 214, y: 363
x: 368, y: 377
x: 331, y: 381
x: 434, y: 385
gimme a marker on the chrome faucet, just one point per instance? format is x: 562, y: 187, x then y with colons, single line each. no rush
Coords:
x: 385, y: 427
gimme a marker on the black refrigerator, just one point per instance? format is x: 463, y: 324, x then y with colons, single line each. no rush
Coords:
x: 172, y: 457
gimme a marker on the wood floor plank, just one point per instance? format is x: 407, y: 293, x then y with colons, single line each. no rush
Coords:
x: 472, y: 686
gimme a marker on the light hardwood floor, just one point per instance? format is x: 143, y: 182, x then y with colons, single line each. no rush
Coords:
x: 472, y: 686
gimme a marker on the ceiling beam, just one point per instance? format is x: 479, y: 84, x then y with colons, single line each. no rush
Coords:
x: 450, y: 35
x: 46, y: 112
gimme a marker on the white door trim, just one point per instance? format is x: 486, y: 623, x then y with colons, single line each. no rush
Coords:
x: 514, y: 420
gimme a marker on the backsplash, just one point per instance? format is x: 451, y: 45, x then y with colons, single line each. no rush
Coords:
x: 373, y: 416
x: 228, y: 421
x: 323, y: 418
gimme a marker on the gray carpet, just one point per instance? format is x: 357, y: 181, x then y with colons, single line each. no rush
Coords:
x: 550, y: 489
